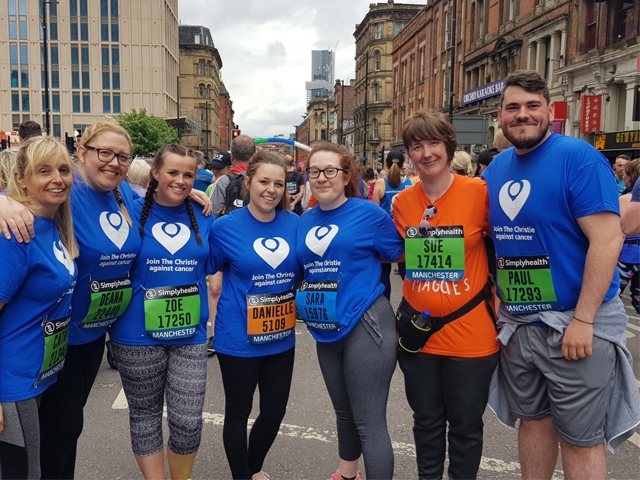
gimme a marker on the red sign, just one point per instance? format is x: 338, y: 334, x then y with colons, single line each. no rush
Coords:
x: 590, y: 114
x: 560, y: 111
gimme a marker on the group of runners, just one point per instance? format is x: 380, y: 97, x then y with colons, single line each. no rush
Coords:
x: 85, y: 255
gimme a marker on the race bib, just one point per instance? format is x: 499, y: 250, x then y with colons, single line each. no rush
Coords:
x: 292, y: 187
x: 56, y: 336
x: 525, y: 284
x: 316, y: 302
x: 109, y: 299
x: 270, y: 317
x: 172, y: 312
x: 435, y: 254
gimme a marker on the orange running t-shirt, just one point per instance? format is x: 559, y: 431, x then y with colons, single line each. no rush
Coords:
x: 465, y: 203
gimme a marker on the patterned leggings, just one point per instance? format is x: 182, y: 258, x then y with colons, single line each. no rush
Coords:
x: 149, y: 373
x: 630, y: 272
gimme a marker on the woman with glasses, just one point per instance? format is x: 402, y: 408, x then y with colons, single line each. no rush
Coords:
x: 108, y: 244
x: 444, y: 218
x: 343, y: 304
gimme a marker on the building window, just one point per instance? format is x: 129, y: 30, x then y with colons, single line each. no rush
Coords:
x: 376, y: 92
x: 104, y: 8
x: 446, y: 30
x: 15, y: 101
x: 106, y: 103
x: 76, y: 102
x: 86, y: 103
x: 55, y: 102
x: 115, y: 84
x: 625, y: 19
x: 75, y: 79
x: 115, y: 32
x: 422, y: 63
x: 591, y: 34
x: 25, y: 102
x: 115, y: 56
x: 378, y: 31
x: 375, y: 129
x: 106, y: 79
x: 114, y: 8
x: 74, y: 30
x: 201, y: 90
x: 397, y: 27
x: 378, y: 61
x: 104, y: 31
x: 116, y: 103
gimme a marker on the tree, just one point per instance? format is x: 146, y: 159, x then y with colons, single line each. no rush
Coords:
x: 148, y: 133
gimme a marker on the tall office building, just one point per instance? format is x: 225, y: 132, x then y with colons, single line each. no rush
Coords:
x: 322, y: 74
x: 105, y: 57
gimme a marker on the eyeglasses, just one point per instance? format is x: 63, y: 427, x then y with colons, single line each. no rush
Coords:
x: 105, y: 155
x: 330, y: 172
x: 425, y: 227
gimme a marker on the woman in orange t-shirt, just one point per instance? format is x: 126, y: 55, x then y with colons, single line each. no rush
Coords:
x: 444, y: 219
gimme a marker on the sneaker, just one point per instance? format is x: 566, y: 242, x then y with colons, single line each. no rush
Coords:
x: 260, y: 476
x: 338, y: 476
x: 636, y: 312
x: 210, y: 350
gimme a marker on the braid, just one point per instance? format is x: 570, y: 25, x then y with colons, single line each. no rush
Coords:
x: 148, y: 203
x: 194, y: 222
x: 123, y: 209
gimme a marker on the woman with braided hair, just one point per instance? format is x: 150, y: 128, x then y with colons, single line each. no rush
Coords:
x: 160, y: 343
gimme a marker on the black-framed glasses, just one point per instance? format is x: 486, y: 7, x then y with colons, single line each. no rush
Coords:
x: 331, y: 172
x: 105, y: 155
x: 425, y: 227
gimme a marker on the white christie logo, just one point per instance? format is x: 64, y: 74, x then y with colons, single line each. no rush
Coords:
x: 63, y: 257
x: 115, y: 227
x: 319, y: 238
x: 272, y: 250
x: 172, y: 236
x: 513, y: 195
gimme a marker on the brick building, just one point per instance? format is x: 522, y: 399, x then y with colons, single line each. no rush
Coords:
x: 226, y: 118
x: 200, y: 65
x: 374, y: 82
x: 342, y: 110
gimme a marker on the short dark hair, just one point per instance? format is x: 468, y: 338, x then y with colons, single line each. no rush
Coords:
x: 242, y: 148
x: 29, y: 129
x: 430, y: 125
x: 529, y: 80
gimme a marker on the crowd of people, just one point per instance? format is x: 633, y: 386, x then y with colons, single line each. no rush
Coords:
x: 104, y: 244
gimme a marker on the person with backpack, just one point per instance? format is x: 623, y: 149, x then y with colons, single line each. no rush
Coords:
x: 228, y: 194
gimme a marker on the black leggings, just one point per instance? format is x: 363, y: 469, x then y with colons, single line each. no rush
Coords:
x: 240, y: 376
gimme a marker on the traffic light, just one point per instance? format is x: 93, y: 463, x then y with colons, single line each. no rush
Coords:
x: 71, y: 144
x: 235, y: 133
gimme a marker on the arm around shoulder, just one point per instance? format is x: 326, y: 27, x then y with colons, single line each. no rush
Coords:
x: 16, y: 219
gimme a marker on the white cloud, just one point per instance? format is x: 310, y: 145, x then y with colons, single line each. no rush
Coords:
x: 265, y: 48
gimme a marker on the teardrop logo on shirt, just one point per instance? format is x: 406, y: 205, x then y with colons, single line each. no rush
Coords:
x: 319, y: 238
x: 513, y: 195
x: 172, y: 236
x: 63, y: 257
x: 115, y: 227
x: 272, y: 250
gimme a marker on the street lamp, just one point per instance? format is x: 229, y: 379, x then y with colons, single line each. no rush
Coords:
x: 47, y: 109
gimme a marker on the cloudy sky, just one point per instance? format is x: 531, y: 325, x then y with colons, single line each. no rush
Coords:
x: 265, y: 46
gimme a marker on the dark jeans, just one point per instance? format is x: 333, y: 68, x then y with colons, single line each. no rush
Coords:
x: 447, y: 390
x: 61, y: 409
x: 240, y: 376
x: 385, y: 276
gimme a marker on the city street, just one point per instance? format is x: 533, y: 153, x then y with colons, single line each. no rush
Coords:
x: 307, y: 446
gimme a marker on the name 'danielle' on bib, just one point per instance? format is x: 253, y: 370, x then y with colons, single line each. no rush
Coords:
x: 109, y: 299
x: 270, y: 317
x: 172, y: 312
x: 56, y: 337
x: 437, y: 254
x: 526, y: 284
x: 316, y: 302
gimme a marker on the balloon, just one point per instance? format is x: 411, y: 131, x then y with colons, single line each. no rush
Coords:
x: 288, y: 141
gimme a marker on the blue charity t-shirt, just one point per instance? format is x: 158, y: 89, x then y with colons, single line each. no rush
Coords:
x: 108, y: 247
x: 535, y: 200
x: 203, y: 179
x: 390, y: 192
x: 340, y: 251
x: 36, y: 288
x: 635, y: 193
x: 256, y: 310
x: 170, y: 299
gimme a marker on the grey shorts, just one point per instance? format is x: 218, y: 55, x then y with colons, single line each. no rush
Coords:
x: 575, y: 394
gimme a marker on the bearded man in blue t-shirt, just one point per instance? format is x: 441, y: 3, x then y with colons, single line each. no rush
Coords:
x: 565, y: 370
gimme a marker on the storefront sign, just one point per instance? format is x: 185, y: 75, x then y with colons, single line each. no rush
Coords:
x: 618, y: 140
x: 488, y: 91
x: 560, y: 111
x: 590, y: 114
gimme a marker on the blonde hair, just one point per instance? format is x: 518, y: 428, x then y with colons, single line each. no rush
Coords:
x: 461, y: 163
x: 500, y: 141
x: 93, y: 131
x: 34, y: 152
x: 139, y: 173
x: 7, y: 161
